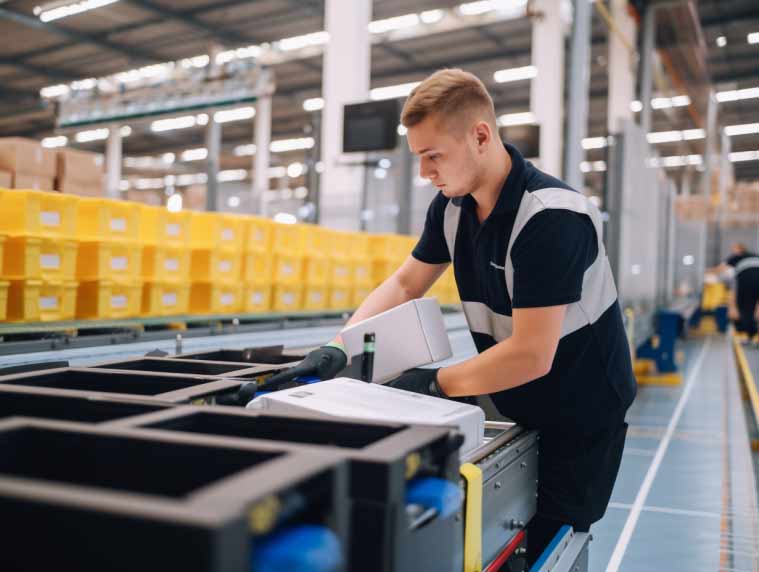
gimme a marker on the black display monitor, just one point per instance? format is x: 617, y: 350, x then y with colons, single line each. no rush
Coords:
x: 371, y: 126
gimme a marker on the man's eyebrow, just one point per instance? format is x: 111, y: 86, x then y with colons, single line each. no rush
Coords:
x: 423, y: 151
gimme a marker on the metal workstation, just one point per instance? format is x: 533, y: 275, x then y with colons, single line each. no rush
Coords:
x: 195, y: 197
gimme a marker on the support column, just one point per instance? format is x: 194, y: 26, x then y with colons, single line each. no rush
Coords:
x: 579, y: 81
x: 622, y: 66
x: 113, y: 156
x: 547, y: 92
x: 346, y: 75
x: 405, y: 188
x: 213, y: 144
x: 262, y: 137
x: 711, y: 159
x: 647, y: 66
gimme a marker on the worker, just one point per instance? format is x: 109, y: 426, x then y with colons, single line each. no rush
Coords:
x: 742, y: 267
x: 537, y: 291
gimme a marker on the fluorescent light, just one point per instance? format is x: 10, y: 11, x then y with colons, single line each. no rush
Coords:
x: 691, y: 134
x: 232, y: 175
x: 233, y: 201
x: 52, y: 142
x: 124, y: 185
x: 721, y: 41
x: 744, y: 129
x: 677, y: 161
x: 753, y: 38
x: 91, y: 135
x: 525, y: 118
x: 170, y: 180
x: 594, y: 143
x: 688, y: 260
x: 125, y: 130
x: 295, y: 170
x: 245, y: 150
x: 301, y: 192
x: 277, y: 172
x: 667, y: 102
x: 182, y: 122
x: 392, y: 91
x: 484, y: 6
x: 285, y: 218
x: 515, y: 74
x: 194, y: 154
x: 69, y: 9
x: 313, y: 104
x: 84, y: 84
x: 237, y: 114
x: 431, y: 16
x: 739, y: 156
x: 201, y: 119
x: 53, y: 91
x: 402, y: 130
x: 597, y: 166
x: 168, y: 158
x: 188, y: 179
x: 146, y: 184
x: 395, y: 23
x: 665, y: 137
x: 174, y: 203
x: 636, y: 106
x: 737, y: 94
x: 304, y: 41
x: 285, y: 145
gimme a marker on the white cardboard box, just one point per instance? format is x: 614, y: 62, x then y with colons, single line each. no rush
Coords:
x: 353, y: 399
x: 410, y: 335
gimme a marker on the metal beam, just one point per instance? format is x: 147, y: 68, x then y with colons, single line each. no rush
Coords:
x: 746, y: 12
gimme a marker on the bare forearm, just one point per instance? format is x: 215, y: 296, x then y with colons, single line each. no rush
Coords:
x: 504, y: 366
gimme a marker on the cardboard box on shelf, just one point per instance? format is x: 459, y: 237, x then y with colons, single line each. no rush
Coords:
x: 27, y: 156
x: 34, y: 182
x: 6, y: 180
x: 80, y: 166
x: 82, y: 189
x: 153, y: 198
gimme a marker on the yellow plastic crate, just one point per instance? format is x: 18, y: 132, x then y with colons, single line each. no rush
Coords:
x: 28, y: 258
x: 4, y: 301
x: 2, y: 249
x: 37, y: 213
x: 165, y: 299
x: 300, y: 239
x: 315, y: 298
x: 382, y: 269
x: 214, y: 298
x: 389, y: 246
x: 165, y: 264
x: 257, y: 298
x: 258, y: 268
x: 288, y: 298
x: 449, y: 296
x: 108, y: 219
x: 341, y: 272
x: 316, y: 270
x: 358, y: 295
x: 107, y: 299
x: 448, y: 278
x: 38, y: 301
x: 360, y: 245
x: 340, y: 298
x: 216, y: 265
x: 108, y: 260
x: 160, y: 226
x: 288, y: 269
x: 340, y: 243
x: 259, y: 233
x: 362, y: 272
x: 215, y: 230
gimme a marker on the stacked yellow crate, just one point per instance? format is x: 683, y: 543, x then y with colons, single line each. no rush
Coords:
x: 109, y: 265
x: 39, y: 258
x: 216, y: 269
x: 360, y: 253
x: 299, y: 262
x: 257, y: 265
x: 342, y: 266
x: 164, y: 236
x: 388, y: 254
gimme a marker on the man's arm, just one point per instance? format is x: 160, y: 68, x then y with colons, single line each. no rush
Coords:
x: 410, y: 281
x: 527, y: 355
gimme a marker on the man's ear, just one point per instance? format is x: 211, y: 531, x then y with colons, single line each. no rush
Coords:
x: 483, y: 134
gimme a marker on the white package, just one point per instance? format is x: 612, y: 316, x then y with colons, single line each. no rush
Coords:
x: 410, y: 335
x: 353, y: 399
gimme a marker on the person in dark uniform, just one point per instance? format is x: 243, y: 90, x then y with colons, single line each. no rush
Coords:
x: 538, y: 294
x: 744, y: 269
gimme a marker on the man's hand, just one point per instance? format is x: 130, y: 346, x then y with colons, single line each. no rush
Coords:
x: 324, y: 362
x: 419, y: 380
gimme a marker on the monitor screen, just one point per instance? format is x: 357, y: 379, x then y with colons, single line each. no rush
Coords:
x: 370, y: 126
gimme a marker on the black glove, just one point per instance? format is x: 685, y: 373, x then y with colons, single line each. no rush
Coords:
x: 325, y: 362
x: 419, y: 380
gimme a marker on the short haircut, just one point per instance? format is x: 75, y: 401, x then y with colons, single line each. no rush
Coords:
x: 453, y: 96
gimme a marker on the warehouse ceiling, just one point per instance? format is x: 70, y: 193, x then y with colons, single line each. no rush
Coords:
x: 133, y: 33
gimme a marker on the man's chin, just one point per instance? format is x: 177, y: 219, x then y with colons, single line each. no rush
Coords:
x: 449, y: 193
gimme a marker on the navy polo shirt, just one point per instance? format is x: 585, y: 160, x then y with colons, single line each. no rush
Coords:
x: 592, y: 370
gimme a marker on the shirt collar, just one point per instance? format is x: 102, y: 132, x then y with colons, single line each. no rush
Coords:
x: 512, y: 190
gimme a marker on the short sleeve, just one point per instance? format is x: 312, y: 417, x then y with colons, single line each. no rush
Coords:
x: 550, y: 257
x: 432, y: 247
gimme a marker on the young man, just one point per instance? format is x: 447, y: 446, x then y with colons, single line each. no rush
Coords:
x: 743, y: 267
x: 538, y: 295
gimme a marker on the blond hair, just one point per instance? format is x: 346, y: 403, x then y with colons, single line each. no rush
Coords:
x: 453, y: 96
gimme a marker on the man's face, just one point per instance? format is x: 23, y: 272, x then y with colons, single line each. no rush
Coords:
x: 450, y: 162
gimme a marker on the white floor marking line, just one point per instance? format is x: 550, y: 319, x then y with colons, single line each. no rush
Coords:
x: 648, y: 481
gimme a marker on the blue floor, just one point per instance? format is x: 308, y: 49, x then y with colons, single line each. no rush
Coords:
x: 683, y: 488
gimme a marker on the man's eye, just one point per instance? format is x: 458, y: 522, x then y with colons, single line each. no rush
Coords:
x: 434, y: 157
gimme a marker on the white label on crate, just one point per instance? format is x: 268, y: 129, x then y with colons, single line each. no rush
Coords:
x: 172, y: 229
x: 48, y: 302
x: 227, y: 234
x: 257, y: 298
x: 225, y: 266
x: 50, y: 218
x: 50, y: 261
x: 341, y: 270
x: 258, y: 236
x: 118, y: 225
x: 361, y: 271
x: 288, y: 298
x: 316, y: 296
x: 118, y: 301
x: 169, y: 299
x: 287, y: 269
x: 119, y: 263
x: 339, y: 296
x: 227, y: 299
x: 171, y: 264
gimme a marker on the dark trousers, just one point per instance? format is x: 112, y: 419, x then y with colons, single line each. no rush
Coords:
x: 746, y: 298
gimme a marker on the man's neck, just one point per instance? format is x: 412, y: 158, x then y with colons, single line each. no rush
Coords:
x: 486, y: 195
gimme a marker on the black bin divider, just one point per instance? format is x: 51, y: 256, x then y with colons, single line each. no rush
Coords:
x: 273, y: 355
x: 177, y: 366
